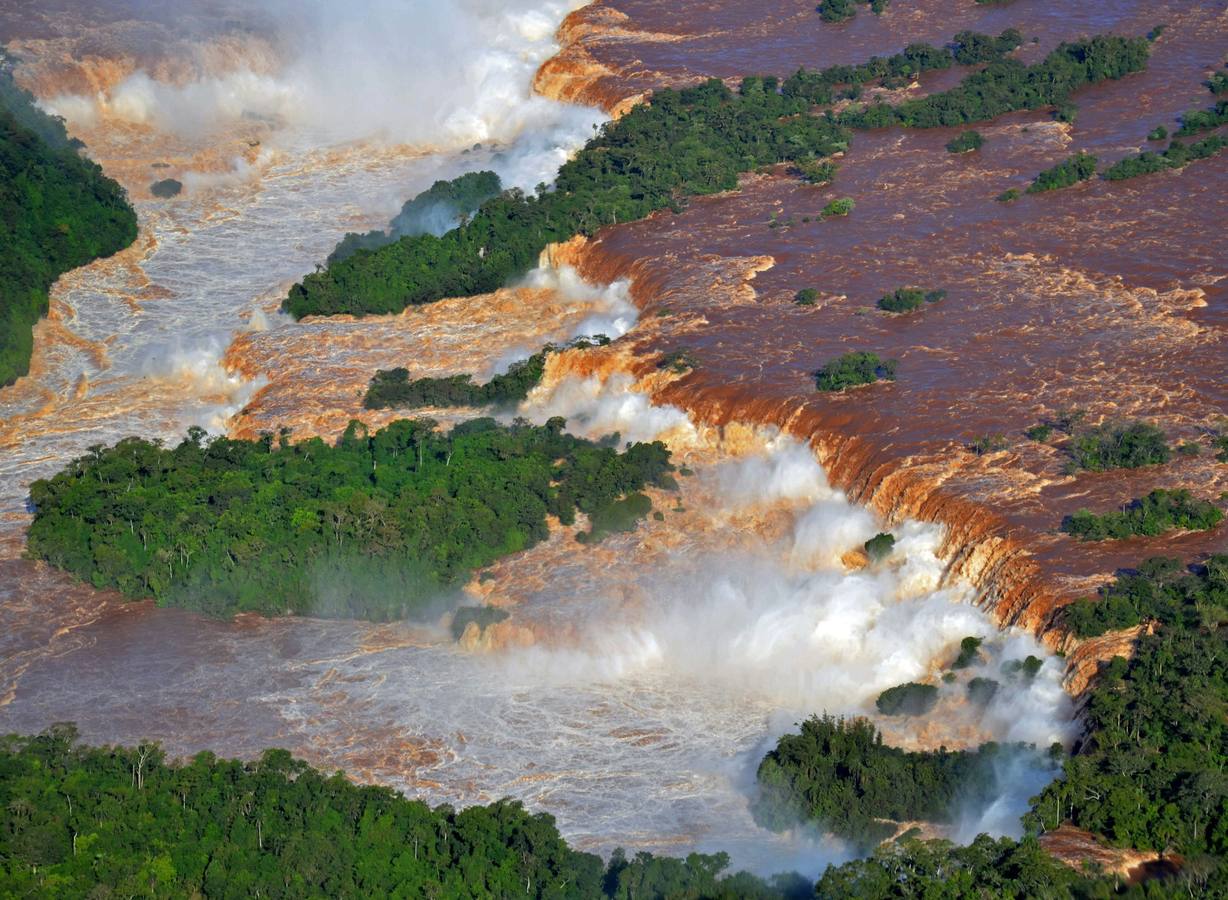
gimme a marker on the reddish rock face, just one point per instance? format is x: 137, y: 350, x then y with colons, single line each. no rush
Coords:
x: 1108, y: 297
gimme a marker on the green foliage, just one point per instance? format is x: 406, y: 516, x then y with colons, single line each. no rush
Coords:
x: 690, y: 142
x: 987, y: 869
x: 907, y: 299
x: 437, y: 210
x: 806, y: 297
x: 965, y: 142
x: 1218, y: 84
x: 1006, y: 85
x: 166, y: 188
x: 981, y: 691
x: 815, y: 171
x: 374, y: 527
x: 1027, y: 668
x: 880, y: 546
x: 79, y: 822
x: 1039, y: 433
x: 1079, y: 167
x: 1008, y: 195
x: 854, y: 369
x: 1158, y: 512
x: 1118, y: 447
x: 1150, y: 772
x: 841, y: 207
x: 969, y: 652
x: 482, y: 616
x: 1175, y: 157
x: 1158, y: 133
x: 1189, y: 448
x: 839, y: 774
x: 57, y: 212
x: 1161, y: 590
x: 988, y: 443
x: 909, y: 699
x: 1197, y: 120
x: 680, y: 360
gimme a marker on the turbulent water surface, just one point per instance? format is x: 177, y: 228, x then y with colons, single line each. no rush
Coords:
x: 637, y: 683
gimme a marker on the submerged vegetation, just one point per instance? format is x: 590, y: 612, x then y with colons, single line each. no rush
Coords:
x: 373, y: 527
x: 1158, y: 512
x: 1175, y: 157
x: 966, y: 142
x: 57, y: 212
x: 853, y: 370
x: 839, y: 774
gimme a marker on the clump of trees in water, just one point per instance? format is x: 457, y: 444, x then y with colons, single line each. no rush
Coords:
x: 839, y: 774
x: 965, y: 142
x: 1176, y: 156
x: 843, y: 10
x: 854, y: 369
x: 376, y: 526
x: 57, y: 212
x: 126, y: 821
x: 879, y: 547
x: 1079, y: 167
x: 907, y: 299
x: 1007, y: 85
x: 687, y: 143
x: 909, y: 699
x: 1130, y: 446
x: 1158, y: 512
x: 437, y: 210
x: 393, y: 389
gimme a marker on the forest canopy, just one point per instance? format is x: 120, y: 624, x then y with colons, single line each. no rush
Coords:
x: 376, y: 526
x: 57, y: 212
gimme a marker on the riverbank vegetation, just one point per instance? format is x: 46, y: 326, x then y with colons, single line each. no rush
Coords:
x: 1158, y: 512
x: 1176, y: 156
x: 853, y: 370
x: 82, y: 822
x: 376, y: 526
x: 437, y: 210
x: 839, y: 774
x: 57, y: 212
x: 687, y: 143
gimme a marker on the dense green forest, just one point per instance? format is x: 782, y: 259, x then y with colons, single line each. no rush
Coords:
x: 438, y: 209
x: 685, y: 143
x: 1150, y: 771
x: 1007, y: 85
x: 57, y: 212
x: 373, y: 527
x: 1128, y: 446
x: 689, y: 142
x: 126, y: 822
x: 1158, y: 512
x: 840, y: 774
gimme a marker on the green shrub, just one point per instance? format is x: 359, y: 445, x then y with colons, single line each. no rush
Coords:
x: 1039, y: 433
x: 1079, y: 167
x: 909, y: 699
x: 806, y: 297
x: 988, y: 443
x: 880, y: 546
x: 1176, y: 156
x: 1158, y: 133
x: 166, y: 188
x: 1189, y: 449
x: 981, y: 691
x: 907, y: 299
x: 965, y: 142
x: 840, y: 207
x: 1027, y: 668
x: 854, y: 369
x: 814, y: 171
x: 1158, y: 512
x: 969, y: 652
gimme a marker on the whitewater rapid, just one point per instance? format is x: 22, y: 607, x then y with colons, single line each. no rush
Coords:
x: 641, y: 680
